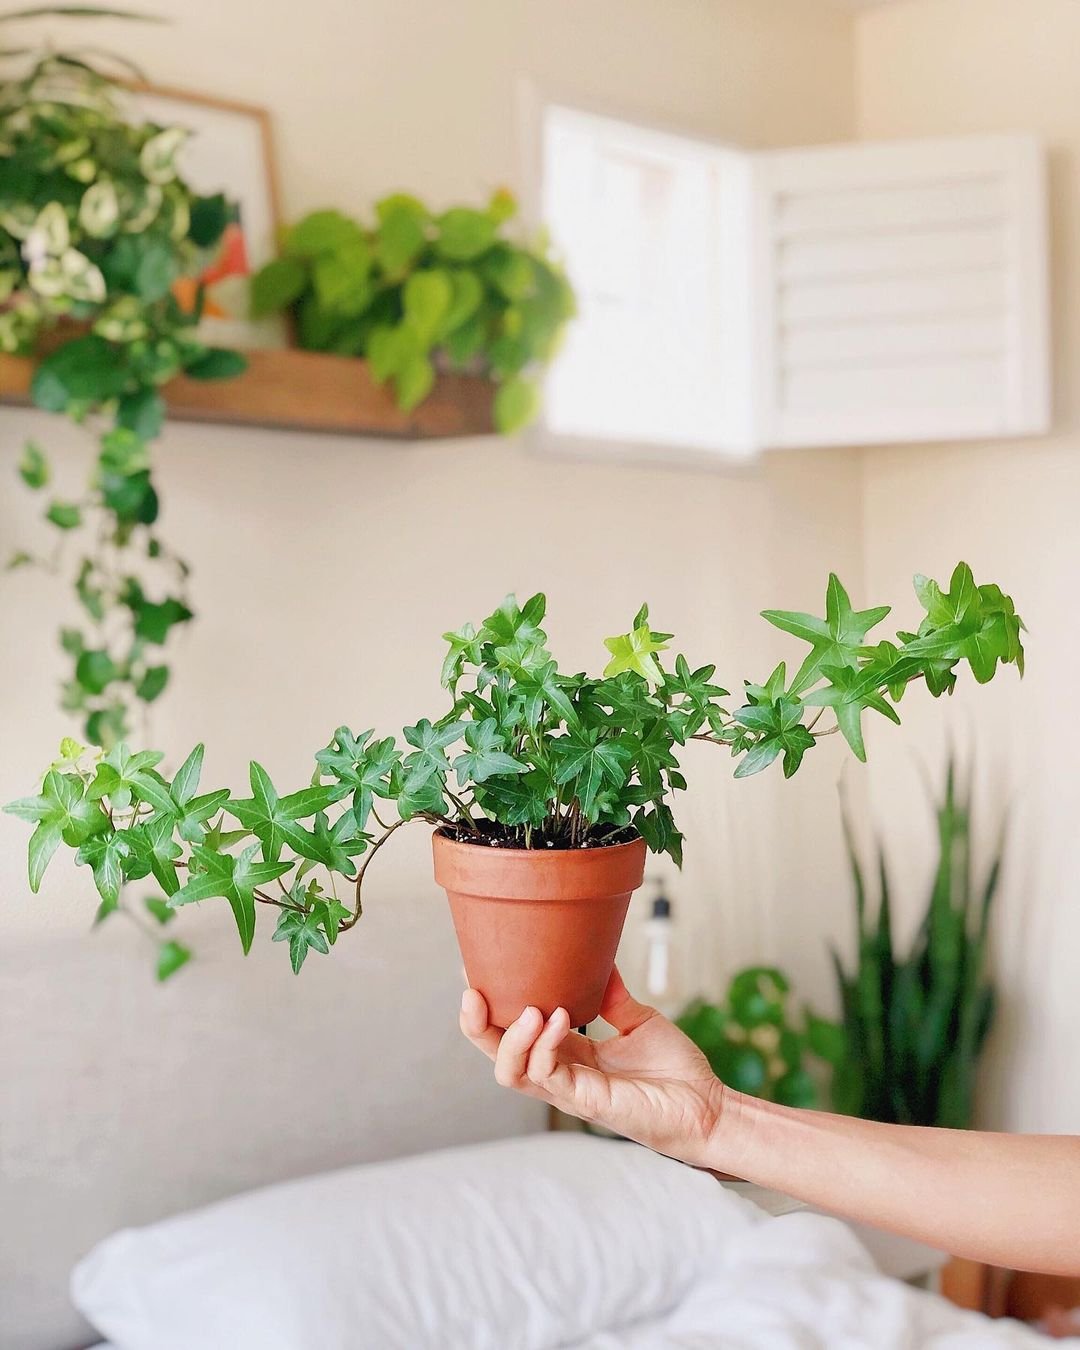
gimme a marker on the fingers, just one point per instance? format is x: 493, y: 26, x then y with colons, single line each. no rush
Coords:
x: 474, y: 1023
x: 621, y: 1011
x: 512, y: 1056
x: 543, y: 1062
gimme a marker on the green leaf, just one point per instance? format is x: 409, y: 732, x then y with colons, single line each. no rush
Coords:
x: 64, y: 515
x: 106, y: 853
x: 635, y: 651
x: 61, y: 812
x: 142, y: 413
x: 426, y: 298
x: 95, y: 670
x: 171, y: 956
x: 517, y: 401
x: 217, y: 363
x: 86, y: 369
x: 835, y: 640
x: 486, y: 755
x: 33, y: 466
x: 276, y: 286
x: 234, y: 879
x: 464, y: 233
x: 159, y: 909
x: 336, y: 845
x: 153, y: 620
x: 413, y: 382
x: 428, y: 760
x: 209, y: 217
x: 590, y: 760
x: 156, y: 270
x: 152, y: 683
x: 304, y: 933
x: 401, y: 236
x: 273, y: 819
x: 321, y: 232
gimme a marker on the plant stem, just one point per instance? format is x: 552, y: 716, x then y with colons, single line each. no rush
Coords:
x: 358, y: 907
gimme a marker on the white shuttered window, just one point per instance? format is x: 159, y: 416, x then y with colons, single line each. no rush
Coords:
x: 856, y: 294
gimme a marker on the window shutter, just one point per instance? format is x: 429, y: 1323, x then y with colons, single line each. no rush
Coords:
x: 900, y: 292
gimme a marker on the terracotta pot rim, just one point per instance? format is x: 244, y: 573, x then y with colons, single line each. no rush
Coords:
x: 602, y: 850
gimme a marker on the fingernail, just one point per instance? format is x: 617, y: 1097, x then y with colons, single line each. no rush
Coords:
x: 530, y: 1014
x: 464, y: 999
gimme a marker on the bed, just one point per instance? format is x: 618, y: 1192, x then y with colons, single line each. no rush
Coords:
x: 527, y: 1244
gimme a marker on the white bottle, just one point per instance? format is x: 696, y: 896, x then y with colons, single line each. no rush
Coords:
x: 661, y: 985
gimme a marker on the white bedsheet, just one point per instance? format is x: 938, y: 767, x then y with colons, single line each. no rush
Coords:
x: 804, y: 1282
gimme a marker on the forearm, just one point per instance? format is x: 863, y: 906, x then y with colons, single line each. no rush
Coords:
x: 1009, y: 1200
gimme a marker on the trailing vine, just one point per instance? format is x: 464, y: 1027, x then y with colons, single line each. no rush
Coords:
x: 96, y: 227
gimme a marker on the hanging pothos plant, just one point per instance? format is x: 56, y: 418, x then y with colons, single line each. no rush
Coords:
x: 96, y: 227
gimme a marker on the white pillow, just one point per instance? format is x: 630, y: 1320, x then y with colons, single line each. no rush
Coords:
x: 518, y: 1245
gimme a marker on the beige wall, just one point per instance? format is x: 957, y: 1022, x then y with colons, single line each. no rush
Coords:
x: 928, y: 67
x: 325, y: 569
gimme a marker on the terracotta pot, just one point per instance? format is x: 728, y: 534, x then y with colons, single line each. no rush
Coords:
x: 538, y: 927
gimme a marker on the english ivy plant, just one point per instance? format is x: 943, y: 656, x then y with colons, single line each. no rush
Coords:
x: 96, y: 227
x: 413, y: 288
x: 523, y: 756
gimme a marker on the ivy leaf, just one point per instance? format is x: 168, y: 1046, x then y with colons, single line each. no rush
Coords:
x: 636, y: 651
x: 272, y: 819
x: 486, y: 754
x: 428, y: 760
x: 303, y: 932
x: 153, y: 843
x: 654, y: 756
x: 106, y: 855
x: 336, y: 845
x: 234, y: 879
x: 591, y: 760
x: 521, y: 800
x: 61, y: 812
x: 123, y: 774
x: 657, y: 828
x: 465, y: 646
x: 171, y: 956
x: 834, y: 640
x: 780, y: 730
x: 844, y: 697
x: 331, y: 914
x: 544, y: 687
x: 159, y: 909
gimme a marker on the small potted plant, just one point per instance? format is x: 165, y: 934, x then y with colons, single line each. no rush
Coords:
x: 545, y: 789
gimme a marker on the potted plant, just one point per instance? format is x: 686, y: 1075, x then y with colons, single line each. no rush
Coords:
x: 97, y: 224
x: 413, y: 289
x: 915, y: 1023
x: 545, y: 789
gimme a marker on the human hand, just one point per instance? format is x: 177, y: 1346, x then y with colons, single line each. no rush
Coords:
x: 649, y: 1082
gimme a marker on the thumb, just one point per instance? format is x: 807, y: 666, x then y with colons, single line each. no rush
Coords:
x: 619, y: 1009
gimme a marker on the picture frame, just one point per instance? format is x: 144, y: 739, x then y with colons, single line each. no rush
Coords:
x: 230, y: 150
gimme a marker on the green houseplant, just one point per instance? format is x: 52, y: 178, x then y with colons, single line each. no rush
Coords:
x: 754, y: 1043
x: 412, y: 289
x: 549, y: 769
x: 96, y: 226
x: 915, y: 1024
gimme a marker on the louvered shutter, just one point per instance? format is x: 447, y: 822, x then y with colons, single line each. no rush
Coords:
x: 900, y: 292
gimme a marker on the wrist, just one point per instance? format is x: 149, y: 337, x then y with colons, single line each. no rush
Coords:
x: 735, y: 1119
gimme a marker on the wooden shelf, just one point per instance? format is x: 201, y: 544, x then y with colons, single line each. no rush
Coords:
x: 308, y: 391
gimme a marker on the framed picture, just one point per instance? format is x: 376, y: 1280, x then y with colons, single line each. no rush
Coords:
x: 230, y: 150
